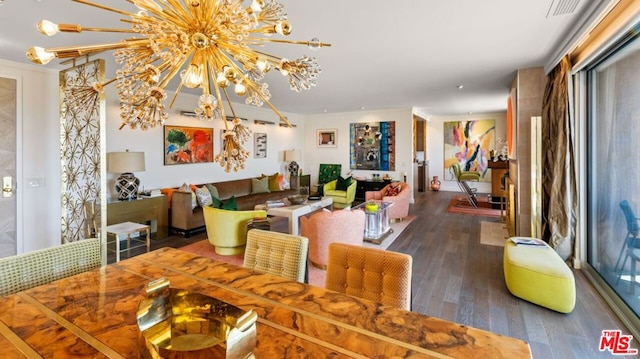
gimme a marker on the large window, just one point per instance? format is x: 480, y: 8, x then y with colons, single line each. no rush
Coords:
x: 613, y: 170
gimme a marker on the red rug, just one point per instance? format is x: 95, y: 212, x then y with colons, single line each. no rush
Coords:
x: 459, y: 204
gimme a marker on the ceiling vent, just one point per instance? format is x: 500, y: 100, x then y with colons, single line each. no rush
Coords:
x: 562, y: 7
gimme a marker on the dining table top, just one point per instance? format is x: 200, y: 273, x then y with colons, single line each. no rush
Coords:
x: 94, y: 315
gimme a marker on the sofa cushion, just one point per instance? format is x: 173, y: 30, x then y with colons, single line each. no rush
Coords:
x: 393, y: 189
x: 343, y: 183
x: 260, y: 185
x: 213, y: 190
x: 274, y: 183
x: 203, y: 196
x: 237, y: 188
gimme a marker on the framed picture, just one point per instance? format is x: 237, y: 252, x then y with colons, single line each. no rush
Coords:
x: 184, y: 145
x: 328, y: 138
x: 260, y: 145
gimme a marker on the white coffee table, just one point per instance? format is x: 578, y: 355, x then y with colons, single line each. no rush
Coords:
x: 293, y: 212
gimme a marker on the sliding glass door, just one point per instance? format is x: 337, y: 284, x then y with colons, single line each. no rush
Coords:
x: 613, y: 170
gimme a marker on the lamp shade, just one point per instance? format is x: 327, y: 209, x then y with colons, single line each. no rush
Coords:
x: 291, y: 155
x: 121, y: 162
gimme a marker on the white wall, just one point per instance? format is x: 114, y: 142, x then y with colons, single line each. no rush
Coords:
x: 435, y: 146
x: 340, y: 154
x: 39, y: 208
x: 151, y: 142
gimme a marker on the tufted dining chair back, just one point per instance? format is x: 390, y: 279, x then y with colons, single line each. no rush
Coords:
x: 281, y: 254
x: 370, y: 273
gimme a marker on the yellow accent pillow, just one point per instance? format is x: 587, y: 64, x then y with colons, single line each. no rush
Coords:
x: 274, y: 183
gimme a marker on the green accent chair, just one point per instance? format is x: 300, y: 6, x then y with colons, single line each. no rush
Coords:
x: 227, y: 230
x: 341, y: 198
x: 462, y: 177
x: 326, y: 174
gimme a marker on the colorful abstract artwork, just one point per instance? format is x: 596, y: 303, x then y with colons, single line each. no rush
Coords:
x: 373, y: 146
x: 468, y: 143
x: 187, y: 145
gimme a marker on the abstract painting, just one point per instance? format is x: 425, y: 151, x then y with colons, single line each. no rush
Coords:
x: 373, y: 146
x: 187, y: 145
x: 468, y: 143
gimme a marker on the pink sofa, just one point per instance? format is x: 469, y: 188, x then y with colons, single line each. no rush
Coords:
x: 400, y: 208
x: 324, y: 227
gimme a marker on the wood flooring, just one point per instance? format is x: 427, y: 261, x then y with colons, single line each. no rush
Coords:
x: 458, y: 279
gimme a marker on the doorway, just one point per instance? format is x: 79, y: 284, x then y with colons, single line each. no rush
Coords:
x: 419, y: 154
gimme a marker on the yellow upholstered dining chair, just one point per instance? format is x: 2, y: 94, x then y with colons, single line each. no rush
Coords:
x: 370, y: 273
x: 28, y: 270
x: 281, y: 254
x: 227, y: 230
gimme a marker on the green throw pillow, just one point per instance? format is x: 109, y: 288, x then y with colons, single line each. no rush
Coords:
x: 260, y: 185
x: 230, y: 204
x: 343, y: 183
x: 213, y: 190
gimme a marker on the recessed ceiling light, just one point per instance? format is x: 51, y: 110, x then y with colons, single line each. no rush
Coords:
x: 460, y: 87
x: 362, y: 107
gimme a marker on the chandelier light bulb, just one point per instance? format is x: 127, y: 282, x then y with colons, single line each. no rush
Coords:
x: 192, y: 76
x: 221, y: 80
x: 283, y: 28
x: 257, y: 5
x: 39, y: 55
x: 240, y: 89
x: 48, y: 28
x: 262, y: 65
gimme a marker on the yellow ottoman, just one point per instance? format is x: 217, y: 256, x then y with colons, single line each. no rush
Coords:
x: 539, y: 275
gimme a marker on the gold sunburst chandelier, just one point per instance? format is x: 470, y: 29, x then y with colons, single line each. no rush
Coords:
x: 211, y: 44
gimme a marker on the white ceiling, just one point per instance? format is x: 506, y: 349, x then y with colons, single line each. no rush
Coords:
x: 384, y: 54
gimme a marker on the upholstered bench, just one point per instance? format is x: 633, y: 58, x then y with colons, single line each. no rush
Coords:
x: 538, y: 274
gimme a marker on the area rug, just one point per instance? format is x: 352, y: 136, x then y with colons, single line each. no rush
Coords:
x: 316, y: 275
x: 493, y: 233
x: 460, y: 205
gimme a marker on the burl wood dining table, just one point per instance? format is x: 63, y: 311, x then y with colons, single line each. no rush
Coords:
x: 93, y: 315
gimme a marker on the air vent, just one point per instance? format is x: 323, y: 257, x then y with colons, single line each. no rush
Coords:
x: 562, y: 7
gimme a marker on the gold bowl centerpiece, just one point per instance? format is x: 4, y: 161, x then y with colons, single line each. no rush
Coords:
x: 297, y: 198
x: 177, y: 323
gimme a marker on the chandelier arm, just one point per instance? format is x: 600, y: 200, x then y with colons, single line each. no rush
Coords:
x: 212, y: 66
x: 103, y: 7
x: 294, y: 42
x: 75, y: 51
x: 233, y: 112
x: 273, y: 108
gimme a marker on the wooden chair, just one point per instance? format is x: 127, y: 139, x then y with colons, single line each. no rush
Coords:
x: 281, y: 254
x: 370, y: 273
x: 28, y: 270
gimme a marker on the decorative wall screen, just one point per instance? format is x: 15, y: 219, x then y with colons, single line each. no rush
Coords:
x: 82, y: 145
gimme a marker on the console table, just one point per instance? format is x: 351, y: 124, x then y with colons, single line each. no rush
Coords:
x: 142, y: 210
x: 369, y: 185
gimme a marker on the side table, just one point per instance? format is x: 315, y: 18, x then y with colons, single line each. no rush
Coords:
x: 127, y: 228
x: 376, y: 223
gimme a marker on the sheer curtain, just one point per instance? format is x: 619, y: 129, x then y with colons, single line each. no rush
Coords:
x: 559, y: 198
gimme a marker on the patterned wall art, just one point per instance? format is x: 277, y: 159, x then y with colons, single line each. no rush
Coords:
x: 183, y: 145
x: 373, y: 146
x: 260, y: 145
x: 468, y: 143
x: 82, y: 147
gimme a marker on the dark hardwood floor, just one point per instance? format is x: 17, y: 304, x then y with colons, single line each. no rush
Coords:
x: 458, y: 279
